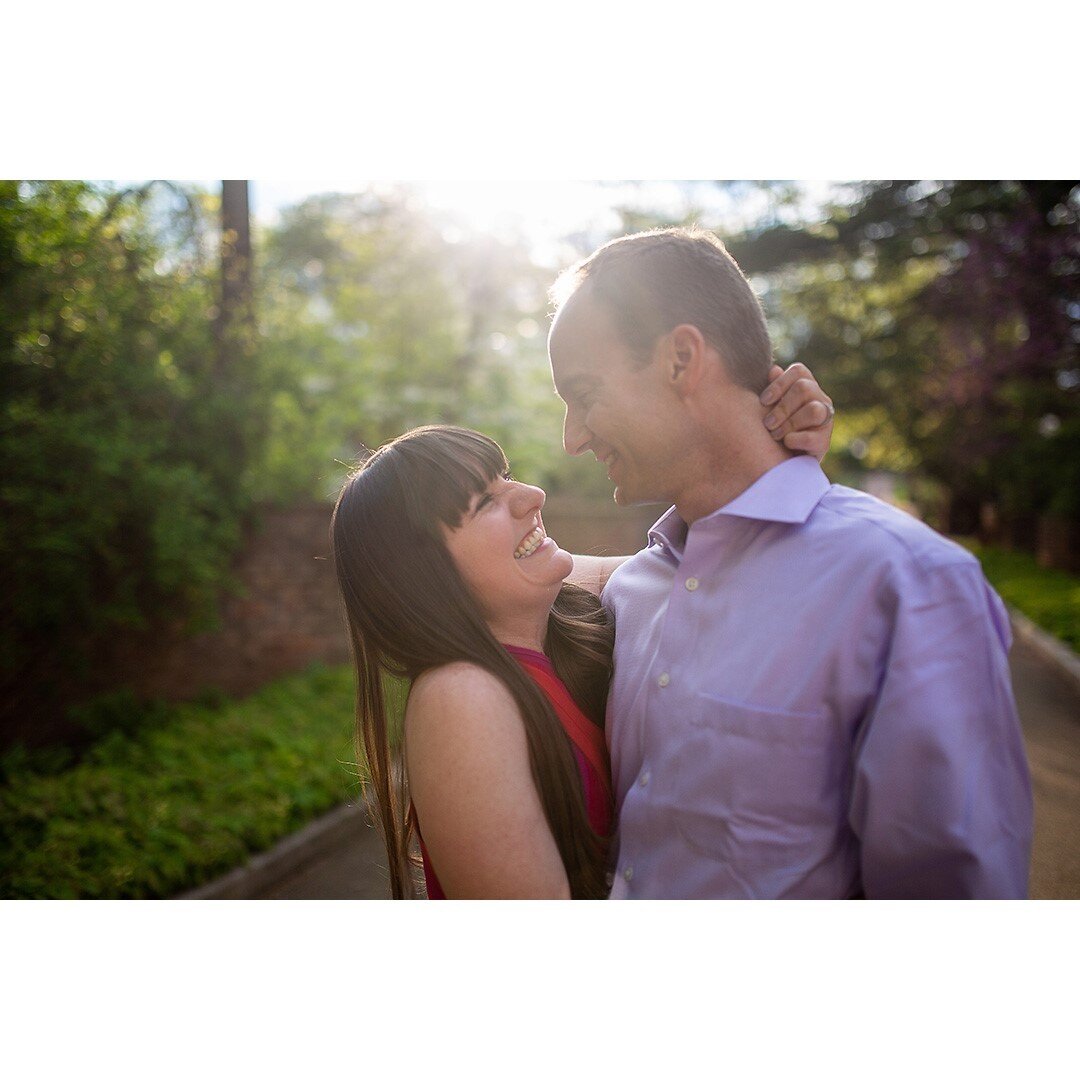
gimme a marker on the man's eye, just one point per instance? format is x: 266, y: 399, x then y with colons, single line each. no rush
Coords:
x: 484, y: 500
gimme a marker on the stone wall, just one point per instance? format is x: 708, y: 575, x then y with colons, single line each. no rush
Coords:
x: 282, y: 617
x: 286, y: 614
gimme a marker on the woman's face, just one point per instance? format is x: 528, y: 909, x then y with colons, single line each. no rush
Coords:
x: 503, y: 554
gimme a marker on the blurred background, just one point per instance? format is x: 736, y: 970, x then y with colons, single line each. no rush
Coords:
x: 189, y: 368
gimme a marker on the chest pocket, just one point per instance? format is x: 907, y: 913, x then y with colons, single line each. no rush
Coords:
x: 757, y: 788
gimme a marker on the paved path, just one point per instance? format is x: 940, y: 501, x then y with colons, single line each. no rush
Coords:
x: 1050, y: 713
x: 1049, y: 710
x: 354, y: 869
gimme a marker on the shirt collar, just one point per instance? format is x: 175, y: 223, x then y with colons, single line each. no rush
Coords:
x: 669, y: 533
x: 787, y: 494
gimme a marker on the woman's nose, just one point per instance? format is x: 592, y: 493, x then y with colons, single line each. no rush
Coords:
x: 528, y: 499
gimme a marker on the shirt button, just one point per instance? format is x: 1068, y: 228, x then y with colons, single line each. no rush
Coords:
x: 628, y: 873
x: 644, y: 779
x: 664, y: 679
x: 691, y: 584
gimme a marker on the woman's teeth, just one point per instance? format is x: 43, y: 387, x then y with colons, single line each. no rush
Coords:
x: 530, y: 543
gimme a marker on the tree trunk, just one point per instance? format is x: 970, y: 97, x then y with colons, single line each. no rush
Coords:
x: 1059, y: 544
x: 963, y: 514
x: 236, y: 312
x: 234, y: 354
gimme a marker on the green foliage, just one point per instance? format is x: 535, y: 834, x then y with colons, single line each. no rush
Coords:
x: 117, y: 710
x: 375, y: 321
x: 125, y: 454
x: 182, y: 800
x: 135, y: 439
x: 1050, y: 598
x: 943, y: 316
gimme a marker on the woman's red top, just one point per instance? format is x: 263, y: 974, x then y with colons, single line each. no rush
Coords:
x: 587, y: 740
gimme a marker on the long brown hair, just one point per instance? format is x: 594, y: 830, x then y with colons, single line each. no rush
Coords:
x: 408, y: 611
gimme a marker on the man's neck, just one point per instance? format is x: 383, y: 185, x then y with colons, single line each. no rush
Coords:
x: 726, y: 468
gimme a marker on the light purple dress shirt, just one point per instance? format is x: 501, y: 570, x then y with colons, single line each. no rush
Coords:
x: 812, y: 699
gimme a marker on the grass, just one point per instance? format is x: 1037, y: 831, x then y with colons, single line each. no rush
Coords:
x: 1050, y: 598
x: 168, y: 807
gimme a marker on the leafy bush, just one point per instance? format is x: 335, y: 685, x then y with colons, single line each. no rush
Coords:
x: 125, y: 447
x: 1050, y: 598
x: 119, y: 710
x: 179, y: 801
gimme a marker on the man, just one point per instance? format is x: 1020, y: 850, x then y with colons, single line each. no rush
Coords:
x: 811, y: 696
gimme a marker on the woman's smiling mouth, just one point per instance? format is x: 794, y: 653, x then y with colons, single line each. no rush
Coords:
x: 530, y: 543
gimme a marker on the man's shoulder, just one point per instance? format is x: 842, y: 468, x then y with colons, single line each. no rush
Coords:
x: 878, y: 549
x: 866, y: 535
x: 861, y: 524
x: 628, y: 578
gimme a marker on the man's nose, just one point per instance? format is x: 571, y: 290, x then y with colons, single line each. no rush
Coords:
x: 575, y: 435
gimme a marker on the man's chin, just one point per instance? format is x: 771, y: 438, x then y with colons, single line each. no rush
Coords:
x: 626, y: 496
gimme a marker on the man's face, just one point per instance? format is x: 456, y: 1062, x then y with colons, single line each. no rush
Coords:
x: 616, y: 407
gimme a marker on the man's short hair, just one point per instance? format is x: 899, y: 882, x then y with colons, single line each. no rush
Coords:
x: 651, y: 282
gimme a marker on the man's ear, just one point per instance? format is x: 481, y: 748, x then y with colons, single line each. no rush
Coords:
x: 687, y: 349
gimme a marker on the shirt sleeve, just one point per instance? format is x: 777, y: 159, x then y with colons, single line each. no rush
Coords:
x: 941, y: 796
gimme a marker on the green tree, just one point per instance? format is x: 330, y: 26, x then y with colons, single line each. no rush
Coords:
x: 376, y: 320
x: 944, y: 316
x: 121, y: 502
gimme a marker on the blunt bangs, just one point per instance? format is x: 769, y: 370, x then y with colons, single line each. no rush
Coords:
x: 441, y: 469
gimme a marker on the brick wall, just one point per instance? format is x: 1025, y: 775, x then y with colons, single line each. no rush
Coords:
x: 287, y: 612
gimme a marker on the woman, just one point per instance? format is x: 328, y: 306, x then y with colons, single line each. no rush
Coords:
x: 411, y: 534
x: 450, y: 581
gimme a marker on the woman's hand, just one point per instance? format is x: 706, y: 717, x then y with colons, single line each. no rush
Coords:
x: 802, y: 413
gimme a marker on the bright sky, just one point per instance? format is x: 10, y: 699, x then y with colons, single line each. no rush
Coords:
x: 545, y: 211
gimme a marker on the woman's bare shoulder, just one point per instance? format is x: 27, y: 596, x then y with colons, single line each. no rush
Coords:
x: 456, y: 683
x: 458, y: 700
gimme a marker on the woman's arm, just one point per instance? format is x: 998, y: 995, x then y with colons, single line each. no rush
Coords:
x: 592, y: 571
x: 470, y: 780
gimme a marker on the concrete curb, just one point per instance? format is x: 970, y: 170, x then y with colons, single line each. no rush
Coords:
x: 284, y: 858
x: 1055, y: 653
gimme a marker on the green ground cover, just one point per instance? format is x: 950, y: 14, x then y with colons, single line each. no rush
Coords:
x: 173, y: 804
x: 1050, y: 598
